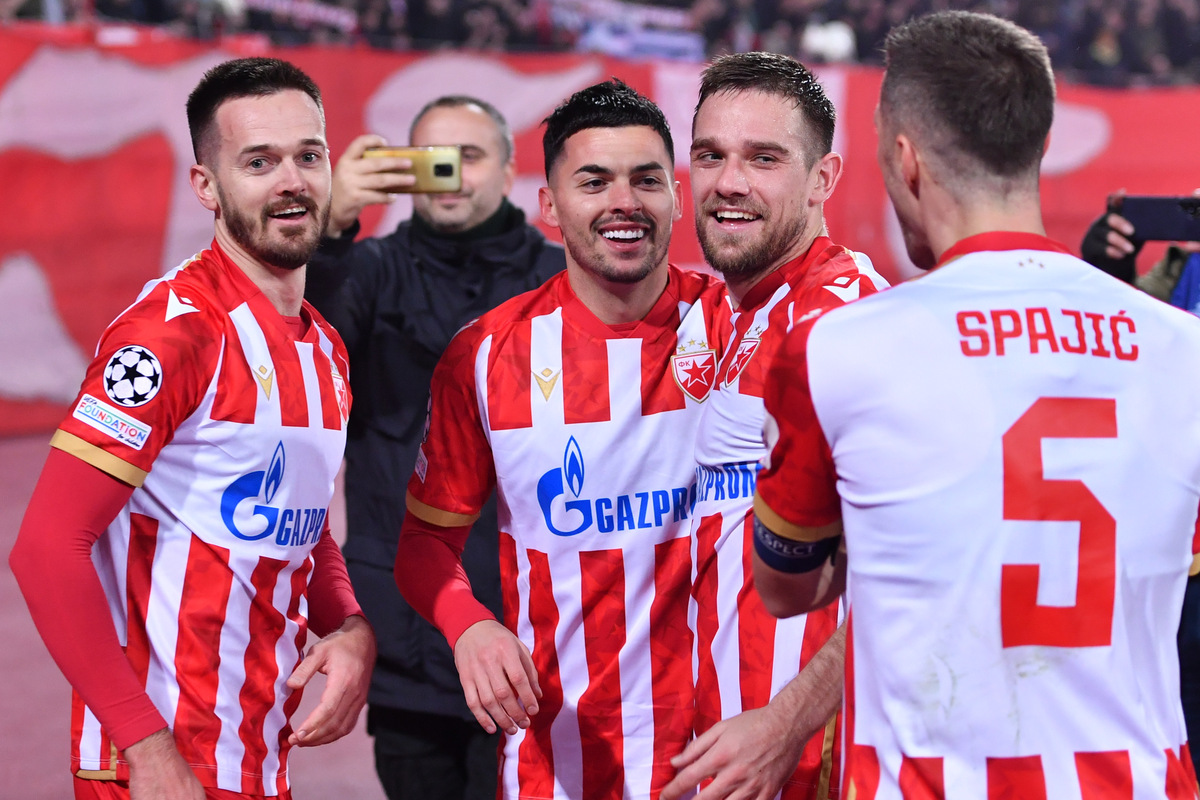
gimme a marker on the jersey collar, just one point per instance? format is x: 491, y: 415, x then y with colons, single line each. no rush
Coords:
x: 993, y: 241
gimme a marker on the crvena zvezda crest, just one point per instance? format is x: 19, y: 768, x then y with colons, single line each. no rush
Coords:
x: 745, y: 351
x: 695, y: 372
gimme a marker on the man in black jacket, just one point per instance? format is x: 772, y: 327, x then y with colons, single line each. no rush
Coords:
x: 397, y: 300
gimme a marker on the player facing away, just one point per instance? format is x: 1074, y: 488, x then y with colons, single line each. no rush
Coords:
x: 1010, y: 446
x: 576, y: 401
x: 174, y: 554
x: 762, y: 167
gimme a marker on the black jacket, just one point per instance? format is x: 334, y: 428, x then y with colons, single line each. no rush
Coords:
x: 397, y: 301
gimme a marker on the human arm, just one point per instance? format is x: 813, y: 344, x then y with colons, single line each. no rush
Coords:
x: 1109, y: 244
x: 72, y: 504
x: 345, y: 654
x: 499, y: 681
x: 751, y: 755
x: 359, y: 182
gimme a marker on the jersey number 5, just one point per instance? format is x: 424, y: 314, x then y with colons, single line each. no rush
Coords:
x: 1028, y: 495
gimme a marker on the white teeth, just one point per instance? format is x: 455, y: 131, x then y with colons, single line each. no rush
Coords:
x: 721, y: 215
x: 286, y: 211
x: 623, y: 235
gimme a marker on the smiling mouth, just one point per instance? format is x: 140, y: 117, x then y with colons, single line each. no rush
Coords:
x: 724, y: 216
x: 624, y: 235
x: 290, y: 213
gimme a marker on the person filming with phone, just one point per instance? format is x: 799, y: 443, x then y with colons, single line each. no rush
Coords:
x: 397, y: 300
x: 1113, y: 243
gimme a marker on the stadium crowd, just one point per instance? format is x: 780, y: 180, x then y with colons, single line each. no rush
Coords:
x: 1103, y: 42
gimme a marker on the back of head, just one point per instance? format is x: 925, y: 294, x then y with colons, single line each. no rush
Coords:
x: 779, y: 75
x: 464, y: 101
x: 242, y: 77
x: 611, y: 104
x: 975, y: 90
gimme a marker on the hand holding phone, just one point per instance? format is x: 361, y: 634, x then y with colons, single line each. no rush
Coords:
x: 1160, y: 219
x: 435, y: 169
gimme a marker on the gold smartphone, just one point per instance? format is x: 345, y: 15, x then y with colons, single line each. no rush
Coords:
x: 437, y: 169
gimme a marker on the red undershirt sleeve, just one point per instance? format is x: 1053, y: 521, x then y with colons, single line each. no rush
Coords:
x: 430, y: 575
x: 330, y: 594
x: 72, y: 504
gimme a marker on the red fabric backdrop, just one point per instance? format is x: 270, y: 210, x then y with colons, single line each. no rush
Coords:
x: 94, y: 156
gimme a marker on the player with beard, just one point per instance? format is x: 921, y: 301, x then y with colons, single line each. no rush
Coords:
x: 762, y: 167
x: 174, y: 554
x: 579, y: 402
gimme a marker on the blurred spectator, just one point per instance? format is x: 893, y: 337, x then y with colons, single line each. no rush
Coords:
x: 1104, y: 42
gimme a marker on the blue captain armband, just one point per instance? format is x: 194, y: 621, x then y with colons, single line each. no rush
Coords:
x: 789, y: 555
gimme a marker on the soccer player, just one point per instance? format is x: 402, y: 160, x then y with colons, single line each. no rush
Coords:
x: 762, y: 166
x: 174, y: 554
x: 1011, y: 446
x: 397, y: 300
x: 579, y: 402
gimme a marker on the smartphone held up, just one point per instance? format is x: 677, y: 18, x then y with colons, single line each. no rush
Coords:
x: 436, y: 169
x: 1160, y: 219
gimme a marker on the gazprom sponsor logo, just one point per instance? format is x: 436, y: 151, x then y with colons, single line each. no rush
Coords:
x: 248, y: 512
x: 112, y: 421
x: 726, y: 481
x: 569, y: 511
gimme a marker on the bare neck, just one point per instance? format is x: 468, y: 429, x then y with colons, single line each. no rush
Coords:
x: 614, y: 302
x: 948, y: 220
x: 283, y: 287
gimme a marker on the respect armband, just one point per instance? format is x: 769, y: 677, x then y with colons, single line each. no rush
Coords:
x: 790, y: 556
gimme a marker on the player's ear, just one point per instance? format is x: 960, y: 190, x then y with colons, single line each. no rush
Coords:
x: 546, y: 206
x: 678, y: 202
x: 909, y: 161
x: 828, y: 170
x: 204, y: 184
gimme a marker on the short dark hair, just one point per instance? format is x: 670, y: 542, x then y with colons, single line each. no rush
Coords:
x: 972, y: 84
x: 241, y: 77
x: 611, y: 104
x: 775, y: 74
x: 462, y: 100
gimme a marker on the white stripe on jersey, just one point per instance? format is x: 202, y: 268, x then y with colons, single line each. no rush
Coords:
x: 235, y: 638
x: 625, y: 403
x: 309, y: 368
x: 545, y: 354
x: 254, y: 345
x: 89, y: 744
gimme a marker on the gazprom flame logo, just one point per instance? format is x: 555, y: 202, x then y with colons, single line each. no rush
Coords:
x: 573, y: 467
x: 254, y: 485
x: 550, y: 487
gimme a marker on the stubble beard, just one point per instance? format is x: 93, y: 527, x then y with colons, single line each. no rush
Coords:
x: 594, y: 262
x: 746, y: 257
x: 298, y: 245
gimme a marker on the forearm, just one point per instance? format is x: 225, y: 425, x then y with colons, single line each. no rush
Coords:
x: 71, y: 505
x: 430, y: 576
x: 331, y: 599
x: 812, y: 698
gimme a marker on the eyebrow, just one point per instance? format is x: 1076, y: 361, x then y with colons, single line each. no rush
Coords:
x: 596, y: 169
x: 263, y: 148
x: 709, y: 143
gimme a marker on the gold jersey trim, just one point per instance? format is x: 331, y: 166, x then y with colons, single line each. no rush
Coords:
x: 99, y: 458
x: 436, y: 516
x: 797, y: 533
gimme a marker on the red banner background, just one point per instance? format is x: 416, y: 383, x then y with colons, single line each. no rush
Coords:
x: 94, y: 157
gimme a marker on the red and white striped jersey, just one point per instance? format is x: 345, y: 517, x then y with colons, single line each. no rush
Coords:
x: 232, y: 430
x: 587, y: 431
x: 744, y: 656
x: 1015, y: 442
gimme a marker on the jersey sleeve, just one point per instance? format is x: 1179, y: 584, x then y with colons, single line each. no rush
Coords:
x: 455, y: 472
x: 797, y: 487
x: 151, y: 370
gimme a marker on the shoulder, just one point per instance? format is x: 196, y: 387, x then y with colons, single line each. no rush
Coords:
x: 516, y: 312
x: 693, y: 285
x: 839, y: 265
